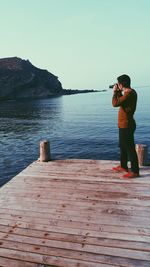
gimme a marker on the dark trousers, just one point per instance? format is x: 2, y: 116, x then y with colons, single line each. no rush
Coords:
x: 127, y: 149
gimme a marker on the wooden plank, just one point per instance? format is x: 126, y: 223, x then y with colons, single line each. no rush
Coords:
x: 41, y: 199
x: 105, y: 219
x: 80, y: 225
x: 76, y: 238
x: 137, y: 201
x: 102, y: 191
x: 36, y: 251
x: 92, y: 194
x: 80, y: 206
x: 5, y: 262
x: 81, y: 184
x: 45, y: 209
x: 52, y: 185
x: 79, y: 171
x: 74, y: 205
x: 67, y: 262
x: 99, y: 174
x: 83, y: 197
x: 72, y: 246
x: 92, y: 230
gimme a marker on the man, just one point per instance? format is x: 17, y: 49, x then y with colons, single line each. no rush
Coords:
x: 125, y: 98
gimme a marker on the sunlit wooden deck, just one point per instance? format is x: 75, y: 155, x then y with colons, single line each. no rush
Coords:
x: 73, y: 213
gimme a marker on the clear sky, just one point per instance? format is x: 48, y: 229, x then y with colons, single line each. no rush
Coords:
x: 86, y: 43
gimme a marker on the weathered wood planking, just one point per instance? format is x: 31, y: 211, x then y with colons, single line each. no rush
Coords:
x: 75, y: 213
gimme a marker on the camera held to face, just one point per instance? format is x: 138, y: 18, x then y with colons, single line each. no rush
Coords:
x: 112, y: 86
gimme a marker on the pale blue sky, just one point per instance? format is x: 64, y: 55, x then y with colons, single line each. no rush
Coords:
x: 86, y: 43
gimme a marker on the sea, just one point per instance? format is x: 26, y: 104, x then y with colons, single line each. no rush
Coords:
x: 80, y: 126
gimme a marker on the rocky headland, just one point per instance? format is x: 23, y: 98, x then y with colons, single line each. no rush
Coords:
x: 20, y: 79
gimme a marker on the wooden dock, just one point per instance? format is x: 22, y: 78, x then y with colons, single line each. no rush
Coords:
x: 75, y: 213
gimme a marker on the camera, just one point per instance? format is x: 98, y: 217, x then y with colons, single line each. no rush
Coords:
x: 112, y: 85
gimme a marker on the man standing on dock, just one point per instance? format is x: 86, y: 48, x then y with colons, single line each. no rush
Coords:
x: 125, y: 98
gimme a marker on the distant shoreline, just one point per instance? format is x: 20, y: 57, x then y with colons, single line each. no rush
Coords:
x: 80, y: 91
x: 64, y: 92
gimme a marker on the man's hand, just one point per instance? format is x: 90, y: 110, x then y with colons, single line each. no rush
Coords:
x: 115, y: 88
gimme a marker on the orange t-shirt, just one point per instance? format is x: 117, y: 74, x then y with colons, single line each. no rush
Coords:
x: 127, y: 103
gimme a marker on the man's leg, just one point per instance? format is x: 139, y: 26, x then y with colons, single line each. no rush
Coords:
x: 123, y: 148
x: 132, y: 153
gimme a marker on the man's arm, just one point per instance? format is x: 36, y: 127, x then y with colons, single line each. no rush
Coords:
x: 119, y: 99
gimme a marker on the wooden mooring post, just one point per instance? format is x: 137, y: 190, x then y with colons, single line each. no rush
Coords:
x: 142, y: 154
x: 45, y: 151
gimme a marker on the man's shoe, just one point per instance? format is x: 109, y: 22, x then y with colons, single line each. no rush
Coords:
x: 131, y: 175
x: 119, y: 169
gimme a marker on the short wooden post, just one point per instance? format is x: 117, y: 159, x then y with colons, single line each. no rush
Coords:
x: 44, y: 151
x: 142, y: 154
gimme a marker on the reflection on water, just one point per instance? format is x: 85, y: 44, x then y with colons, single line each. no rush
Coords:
x: 78, y: 126
x: 17, y: 117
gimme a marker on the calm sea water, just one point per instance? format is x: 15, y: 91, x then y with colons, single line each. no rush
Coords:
x: 77, y: 126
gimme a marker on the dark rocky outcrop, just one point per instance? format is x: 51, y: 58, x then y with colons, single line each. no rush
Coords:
x: 20, y: 79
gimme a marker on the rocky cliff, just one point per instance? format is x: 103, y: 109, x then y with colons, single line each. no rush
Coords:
x: 20, y: 79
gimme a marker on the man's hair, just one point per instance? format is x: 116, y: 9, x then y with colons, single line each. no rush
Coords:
x: 124, y: 80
